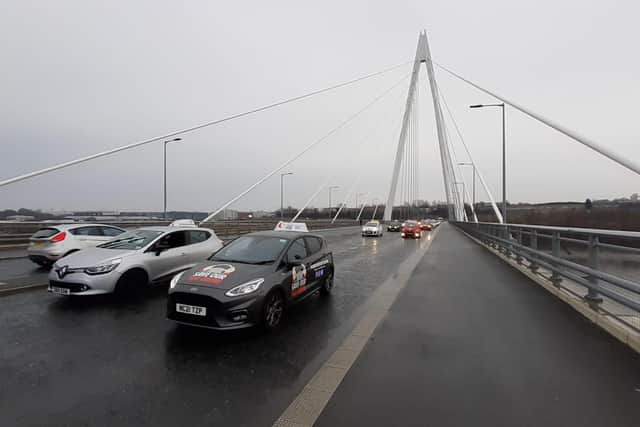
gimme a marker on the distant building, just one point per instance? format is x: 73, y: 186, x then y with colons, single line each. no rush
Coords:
x: 226, y: 214
x: 263, y: 214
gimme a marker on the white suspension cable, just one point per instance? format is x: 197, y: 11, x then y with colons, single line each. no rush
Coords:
x: 477, y: 168
x: 306, y: 149
x: 193, y: 128
x: 621, y: 160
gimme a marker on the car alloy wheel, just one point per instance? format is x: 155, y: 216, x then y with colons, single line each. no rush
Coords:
x: 273, y: 310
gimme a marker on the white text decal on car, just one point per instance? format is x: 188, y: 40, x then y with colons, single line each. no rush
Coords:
x: 298, y: 280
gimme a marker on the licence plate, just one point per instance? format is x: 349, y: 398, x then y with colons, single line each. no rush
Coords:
x: 38, y: 244
x: 191, y: 309
x: 59, y: 291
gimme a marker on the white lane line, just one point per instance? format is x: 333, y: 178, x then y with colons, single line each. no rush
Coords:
x: 309, y: 404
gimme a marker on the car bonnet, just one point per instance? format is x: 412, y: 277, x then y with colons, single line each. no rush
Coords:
x: 224, y: 275
x: 92, y: 256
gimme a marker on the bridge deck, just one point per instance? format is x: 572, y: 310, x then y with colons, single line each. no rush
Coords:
x: 470, y: 341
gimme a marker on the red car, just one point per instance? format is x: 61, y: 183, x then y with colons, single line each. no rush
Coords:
x: 411, y: 229
x: 425, y: 226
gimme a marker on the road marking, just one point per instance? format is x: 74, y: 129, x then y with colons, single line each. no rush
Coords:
x: 309, y: 404
x: 21, y: 288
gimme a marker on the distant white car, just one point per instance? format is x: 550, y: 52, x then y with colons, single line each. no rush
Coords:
x: 372, y: 228
x: 49, y: 244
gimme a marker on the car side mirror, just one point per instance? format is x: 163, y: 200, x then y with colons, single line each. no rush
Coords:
x: 294, y: 262
x: 161, y: 247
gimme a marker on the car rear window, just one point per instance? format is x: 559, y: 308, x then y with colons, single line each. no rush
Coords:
x: 45, y: 233
x: 197, y: 236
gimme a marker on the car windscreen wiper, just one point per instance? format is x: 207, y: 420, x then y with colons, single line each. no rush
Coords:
x: 266, y: 261
x: 119, y: 242
x: 230, y: 260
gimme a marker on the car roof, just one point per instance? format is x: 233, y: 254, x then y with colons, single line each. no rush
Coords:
x: 166, y: 228
x: 283, y: 234
x: 68, y: 226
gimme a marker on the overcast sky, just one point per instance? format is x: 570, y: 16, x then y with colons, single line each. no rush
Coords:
x: 83, y: 76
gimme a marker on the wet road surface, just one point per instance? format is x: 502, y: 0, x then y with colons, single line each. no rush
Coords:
x: 472, y: 342
x: 22, y: 271
x: 104, y: 361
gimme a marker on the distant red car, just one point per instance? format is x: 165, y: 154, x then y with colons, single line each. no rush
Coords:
x: 425, y: 226
x: 411, y: 229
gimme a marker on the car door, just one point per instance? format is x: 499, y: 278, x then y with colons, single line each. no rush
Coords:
x: 296, y: 265
x: 85, y: 237
x: 317, y: 260
x: 171, y: 260
x: 199, y: 247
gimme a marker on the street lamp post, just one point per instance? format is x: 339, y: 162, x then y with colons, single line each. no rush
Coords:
x: 473, y: 180
x: 330, y: 189
x: 282, y: 175
x: 504, y: 159
x: 165, y: 173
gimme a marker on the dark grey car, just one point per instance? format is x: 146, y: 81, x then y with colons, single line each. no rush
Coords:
x: 252, y: 280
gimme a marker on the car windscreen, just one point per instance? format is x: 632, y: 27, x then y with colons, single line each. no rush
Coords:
x: 132, y: 240
x: 371, y: 224
x: 252, y: 250
x: 410, y: 223
x: 45, y: 233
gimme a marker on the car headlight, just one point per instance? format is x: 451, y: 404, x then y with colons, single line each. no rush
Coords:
x: 245, y: 288
x: 174, y: 280
x: 107, y: 267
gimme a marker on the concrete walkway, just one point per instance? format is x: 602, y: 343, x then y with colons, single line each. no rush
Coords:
x: 470, y: 341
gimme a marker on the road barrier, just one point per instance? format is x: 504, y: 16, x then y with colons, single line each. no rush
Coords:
x: 601, y: 267
x: 18, y: 233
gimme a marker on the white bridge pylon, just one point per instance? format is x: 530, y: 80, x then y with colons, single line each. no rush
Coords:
x: 454, y: 197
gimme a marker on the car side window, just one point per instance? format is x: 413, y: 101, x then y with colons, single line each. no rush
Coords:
x: 175, y: 239
x: 198, y: 236
x: 296, y: 251
x: 86, y: 231
x: 313, y: 244
x: 111, y: 232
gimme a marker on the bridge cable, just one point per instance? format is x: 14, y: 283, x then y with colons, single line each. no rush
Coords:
x: 373, y: 131
x: 621, y: 160
x: 306, y: 149
x: 477, y: 169
x: 197, y: 127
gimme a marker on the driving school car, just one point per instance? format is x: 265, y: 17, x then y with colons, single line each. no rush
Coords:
x: 252, y: 280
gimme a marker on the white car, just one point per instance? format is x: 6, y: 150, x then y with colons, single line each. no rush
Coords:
x: 133, y: 260
x: 372, y: 228
x: 49, y: 244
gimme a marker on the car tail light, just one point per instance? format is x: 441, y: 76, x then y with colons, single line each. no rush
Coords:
x: 59, y: 237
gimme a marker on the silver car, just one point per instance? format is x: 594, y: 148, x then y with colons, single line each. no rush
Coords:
x: 372, y: 228
x: 49, y: 244
x: 133, y: 260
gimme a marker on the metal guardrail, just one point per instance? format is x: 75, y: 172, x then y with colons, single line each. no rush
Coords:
x: 600, y: 266
x: 13, y: 233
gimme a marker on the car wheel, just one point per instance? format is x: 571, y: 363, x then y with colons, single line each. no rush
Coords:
x: 327, y: 286
x: 131, y: 282
x: 273, y: 310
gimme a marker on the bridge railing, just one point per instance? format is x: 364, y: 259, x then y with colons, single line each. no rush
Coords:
x: 600, y: 266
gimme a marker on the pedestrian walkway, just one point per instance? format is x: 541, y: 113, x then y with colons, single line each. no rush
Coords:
x: 471, y: 341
